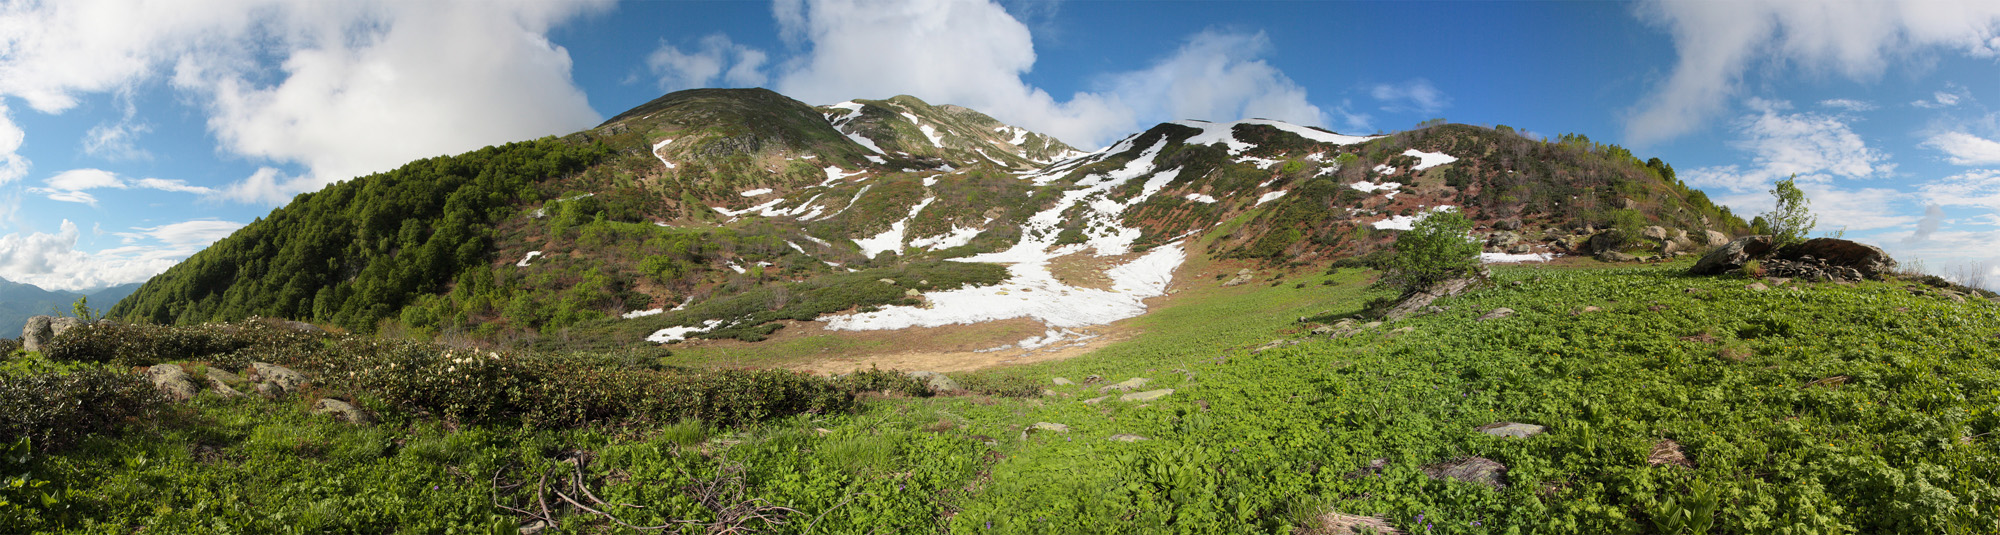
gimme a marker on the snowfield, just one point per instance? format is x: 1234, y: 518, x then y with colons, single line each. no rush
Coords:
x: 676, y: 334
x: 1506, y: 258
x: 656, y: 152
x: 1407, y: 222
x: 1030, y: 291
x: 1197, y: 197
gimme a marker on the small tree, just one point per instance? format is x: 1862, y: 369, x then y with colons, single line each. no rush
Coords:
x: 1435, y: 250
x: 1790, y: 220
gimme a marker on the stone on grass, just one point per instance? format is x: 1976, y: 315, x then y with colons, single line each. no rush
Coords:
x: 223, y: 389
x: 1127, y: 385
x: 1126, y: 438
x: 1063, y: 381
x: 36, y: 333
x: 1668, y: 452
x: 1040, y: 427
x: 1096, y: 400
x: 342, y: 411
x: 1476, y: 470
x: 937, y: 382
x: 1148, y: 395
x: 1757, y: 287
x: 1417, y: 301
x: 1870, y: 260
x: 1512, y: 429
x: 1338, y: 523
x: 274, y: 380
x: 1497, y: 313
x: 172, y: 381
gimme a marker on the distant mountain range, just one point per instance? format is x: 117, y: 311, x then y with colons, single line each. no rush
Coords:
x: 20, y: 301
x: 723, y: 212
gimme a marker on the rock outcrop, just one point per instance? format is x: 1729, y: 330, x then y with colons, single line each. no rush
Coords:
x: 1868, y: 260
x: 343, y: 411
x: 1416, y: 302
x: 937, y: 382
x: 172, y: 382
x: 273, y: 380
x: 1731, y: 256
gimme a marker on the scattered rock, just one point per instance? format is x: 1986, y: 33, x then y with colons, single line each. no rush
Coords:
x: 886, y: 281
x: 1757, y: 286
x: 1668, y: 452
x: 1586, y: 310
x: 274, y: 380
x: 1716, y: 239
x: 1088, y: 379
x: 36, y: 333
x: 1242, y: 276
x: 1127, y: 385
x: 937, y: 382
x: 1402, y: 331
x: 1502, y: 239
x: 1039, y: 427
x: 1096, y: 400
x: 1628, y: 204
x: 1512, y: 429
x: 1127, y: 438
x: 223, y: 389
x: 1606, y: 242
x: 172, y: 381
x: 912, y: 293
x: 1654, y: 232
x: 536, y: 527
x: 341, y: 410
x: 1507, y: 224
x: 1731, y: 256
x: 1338, y: 523
x: 1477, y: 470
x: 1371, y: 325
x: 1497, y: 313
x: 1063, y: 381
x: 1148, y: 395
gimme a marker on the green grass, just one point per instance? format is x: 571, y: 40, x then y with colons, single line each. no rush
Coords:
x: 1814, y: 409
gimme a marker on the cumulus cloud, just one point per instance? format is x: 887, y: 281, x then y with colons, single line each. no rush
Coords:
x: 74, y: 185
x: 1965, y: 149
x: 360, y: 86
x: 1414, y: 96
x: 1814, y: 146
x: 714, y: 59
x: 973, y: 53
x: 114, y: 141
x: 1978, y: 188
x: 1718, y: 42
x: 53, y: 261
x: 1933, y: 218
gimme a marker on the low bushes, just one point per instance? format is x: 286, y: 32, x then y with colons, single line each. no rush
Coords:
x: 54, y: 406
x: 226, y: 345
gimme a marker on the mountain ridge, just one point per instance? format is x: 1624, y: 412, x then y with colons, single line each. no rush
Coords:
x: 714, y: 194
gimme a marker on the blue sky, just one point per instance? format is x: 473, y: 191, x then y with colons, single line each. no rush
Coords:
x: 135, y: 132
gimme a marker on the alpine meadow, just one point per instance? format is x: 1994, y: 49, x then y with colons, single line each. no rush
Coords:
x: 731, y: 310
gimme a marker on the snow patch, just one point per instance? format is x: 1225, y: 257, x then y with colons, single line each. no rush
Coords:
x: 1371, y: 187
x: 936, y: 140
x: 756, y: 192
x: 1272, y: 196
x: 1031, y: 291
x: 1197, y: 197
x: 642, y: 313
x: 892, y: 239
x: 525, y: 259
x: 676, y: 334
x: 1261, y: 163
x: 761, y: 209
x: 931, y: 180
x: 834, y: 175
x: 958, y: 236
x: 1507, y: 258
x: 1407, y: 222
x: 1385, y: 169
x: 1427, y: 160
x: 877, y: 159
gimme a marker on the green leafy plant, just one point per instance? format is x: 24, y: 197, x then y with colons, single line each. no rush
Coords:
x: 1792, y: 218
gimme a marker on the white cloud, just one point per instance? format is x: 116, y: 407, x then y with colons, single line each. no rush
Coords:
x: 114, y: 141
x: 362, y: 86
x: 1933, y: 218
x: 12, y: 165
x: 1718, y: 42
x: 1965, y: 149
x: 1812, y: 145
x: 715, y: 59
x: 1980, y: 188
x: 52, y: 261
x: 1952, y: 96
x: 267, y: 186
x: 73, y: 185
x: 973, y: 53
x: 1415, y: 96
x: 1847, y: 104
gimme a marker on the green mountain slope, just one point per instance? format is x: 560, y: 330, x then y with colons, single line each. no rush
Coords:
x: 704, y: 212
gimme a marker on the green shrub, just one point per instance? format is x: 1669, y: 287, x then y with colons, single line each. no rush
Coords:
x: 1435, y: 250
x: 144, y: 345
x: 876, y: 380
x: 8, y: 346
x: 55, y: 406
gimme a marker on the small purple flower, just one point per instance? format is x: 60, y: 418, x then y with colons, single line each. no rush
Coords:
x: 1475, y: 523
x: 1420, y: 517
x: 989, y: 524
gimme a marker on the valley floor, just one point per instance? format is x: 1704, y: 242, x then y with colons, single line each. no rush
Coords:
x: 1665, y: 404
